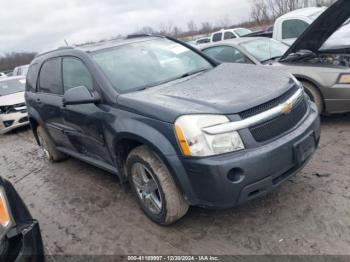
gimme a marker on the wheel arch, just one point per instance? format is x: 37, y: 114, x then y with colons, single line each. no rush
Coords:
x: 157, y: 142
x: 314, y: 83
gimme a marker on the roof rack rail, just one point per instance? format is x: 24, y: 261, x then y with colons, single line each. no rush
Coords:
x: 53, y: 50
x: 137, y: 35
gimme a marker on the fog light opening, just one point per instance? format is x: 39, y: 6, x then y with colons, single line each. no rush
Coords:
x: 236, y: 175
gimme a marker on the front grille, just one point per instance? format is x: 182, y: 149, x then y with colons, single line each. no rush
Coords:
x: 280, y: 124
x: 24, y: 119
x: 271, y: 104
x: 22, y: 108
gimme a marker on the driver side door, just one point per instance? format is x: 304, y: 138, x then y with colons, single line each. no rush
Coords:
x: 85, y: 123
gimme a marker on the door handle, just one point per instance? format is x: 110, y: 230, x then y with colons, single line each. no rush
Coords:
x: 38, y: 101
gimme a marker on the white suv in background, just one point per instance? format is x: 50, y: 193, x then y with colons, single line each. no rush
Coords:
x: 290, y: 26
x: 21, y: 70
x: 226, y: 34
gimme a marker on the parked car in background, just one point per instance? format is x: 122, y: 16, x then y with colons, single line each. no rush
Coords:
x: 20, y: 237
x: 181, y: 128
x: 290, y: 26
x: 21, y: 70
x: 203, y: 40
x: 2, y: 75
x: 325, y: 73
x: 267, y: 32
x: 226, y: 34
x: 13, y: 111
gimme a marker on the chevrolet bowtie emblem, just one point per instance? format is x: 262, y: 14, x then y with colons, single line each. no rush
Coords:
x: 287, y: 108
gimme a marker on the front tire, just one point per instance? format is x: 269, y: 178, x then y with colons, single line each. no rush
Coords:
x: 152, y: 184
x: 48, y: 147
x: 314, y: 95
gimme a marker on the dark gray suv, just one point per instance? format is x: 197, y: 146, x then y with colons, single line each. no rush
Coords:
x: 181, y: 128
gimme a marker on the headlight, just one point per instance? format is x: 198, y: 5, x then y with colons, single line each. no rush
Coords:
x: 194, y: 142
x: 344, y: 79
x: 5, y: 219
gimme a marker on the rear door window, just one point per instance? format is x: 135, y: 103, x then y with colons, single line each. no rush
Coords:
x: 217, y: 37
x: 229, y: 35
x: 50, y: 77
x: 75, y: 74
x: 293, y: 28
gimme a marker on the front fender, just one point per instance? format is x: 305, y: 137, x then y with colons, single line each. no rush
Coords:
x: 159, y: 136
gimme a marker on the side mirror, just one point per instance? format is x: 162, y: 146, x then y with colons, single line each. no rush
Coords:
x: 78, y: 96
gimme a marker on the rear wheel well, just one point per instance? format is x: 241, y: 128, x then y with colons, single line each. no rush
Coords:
x: 34, y: 125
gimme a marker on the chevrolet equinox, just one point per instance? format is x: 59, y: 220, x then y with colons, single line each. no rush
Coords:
x: 181, y: 128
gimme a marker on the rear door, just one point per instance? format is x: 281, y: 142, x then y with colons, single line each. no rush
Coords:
x: 48, y: 100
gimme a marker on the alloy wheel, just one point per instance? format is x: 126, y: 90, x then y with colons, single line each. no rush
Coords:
x: 147, y: 188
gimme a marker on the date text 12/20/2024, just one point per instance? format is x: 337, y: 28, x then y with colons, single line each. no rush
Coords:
x: 173, y: 258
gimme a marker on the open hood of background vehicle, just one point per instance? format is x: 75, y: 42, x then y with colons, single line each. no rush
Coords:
x: 322, y: 28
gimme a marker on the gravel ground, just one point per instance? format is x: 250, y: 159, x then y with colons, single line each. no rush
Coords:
x: 83, y: 210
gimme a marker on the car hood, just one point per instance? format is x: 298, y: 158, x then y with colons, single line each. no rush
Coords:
x: 13, y: 99
x: 225, y: 89
x: 322, y: 28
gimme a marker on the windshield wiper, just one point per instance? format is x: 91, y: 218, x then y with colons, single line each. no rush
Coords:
x: 170, y: 80
x: 272, y: 58
x: 299, y: 55
x: 193, y: 73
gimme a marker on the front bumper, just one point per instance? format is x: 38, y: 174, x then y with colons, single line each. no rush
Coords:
x: 231, y: 179
x: 9, y: 122
x: 23, y: 241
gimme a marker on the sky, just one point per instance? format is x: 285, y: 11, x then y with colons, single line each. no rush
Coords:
x: 38, y: 25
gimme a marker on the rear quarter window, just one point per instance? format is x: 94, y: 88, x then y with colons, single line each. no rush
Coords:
x: 217, y: 37
x: 293, y: 28
x: 31, y: 78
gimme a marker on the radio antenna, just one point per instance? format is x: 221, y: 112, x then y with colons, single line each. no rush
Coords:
x: 66, y: 42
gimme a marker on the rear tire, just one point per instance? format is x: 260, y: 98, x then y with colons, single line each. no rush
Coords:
x: 314, y: 95
x: 168, y: 204
x: 48, y: 147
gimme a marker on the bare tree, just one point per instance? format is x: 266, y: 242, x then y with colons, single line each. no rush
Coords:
x: 268, y: 10
x: 147, y: 30
x: 260, y: 11
x: 207, y: 27
x: 11, y: 60
x: 177, y: 31
x: 166, y: 28
x: 224, y: 22
x: 191, y: 26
